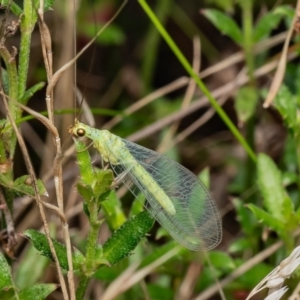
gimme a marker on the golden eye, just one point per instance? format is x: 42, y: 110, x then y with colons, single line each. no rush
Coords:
x: 80, y: 132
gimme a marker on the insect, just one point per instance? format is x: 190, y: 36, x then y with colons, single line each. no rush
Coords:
x: 176, y: 198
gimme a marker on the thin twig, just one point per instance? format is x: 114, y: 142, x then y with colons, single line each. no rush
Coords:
x: 201, y: 102
x: 37, y: 196
x: 187, y: 97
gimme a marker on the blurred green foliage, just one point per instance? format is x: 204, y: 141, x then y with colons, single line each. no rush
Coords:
x: 263, y: 194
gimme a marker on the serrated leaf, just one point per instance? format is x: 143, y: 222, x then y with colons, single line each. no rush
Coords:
x: 40, y: 242
x: 267, y: 219
x: 6, y: 281
x: 225, y: 24
x: 245, y: 103
x: 125, y: 239
x: 274, y: 195
x: 265, y: 25
x: 36, y: 292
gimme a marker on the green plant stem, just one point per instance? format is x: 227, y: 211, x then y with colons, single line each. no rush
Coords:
x: 248, y: 38
x: 9, y: 137
x: 90, y: 250
x: 11, y: 68
x: 92, y: 238
x: 198, y: 81
x: 26, y: 28
x: 248, y: 50
x: 80, y: 291
x: 250, y: 164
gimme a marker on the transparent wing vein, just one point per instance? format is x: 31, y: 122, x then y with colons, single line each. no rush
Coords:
x: 196, y: 223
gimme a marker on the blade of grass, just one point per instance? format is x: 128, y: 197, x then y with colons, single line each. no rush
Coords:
x: 199, y: 82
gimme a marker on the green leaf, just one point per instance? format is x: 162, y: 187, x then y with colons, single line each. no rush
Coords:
x: 289, y: 178
x: 227, y: 5
x: 243, y: 216
x: 78, y: 259
x: 287, y: 11
x: 113, y: 212
x: 6, y: 281
x: 18, y: 11
x: 40, y: 242
x: 239, y: 246
x: 48, y: 4
x: 24, y: 186
x: 5, y: 180
x: 204, y: 177
x: 94, y: 184
x: 125, y: 239
x: 290, y: 154
x: 286, y: 104
x: 265, y: 25
x: 138, y: 204
x: 85, y: 191
x: 225, y: 24
x: 267, y: 219
x: 31, y: 91
x: 112, y: 35
x: 157, y: 291
x: 5, y: 81
x: 221, y: 260
x: 104, y: 179
x: 274, y: 195
x: 84, y: 162
x: 160, y: 251
x: 36, y: 292
x: 245, y: 103
x: 14, y: 7
x: 25, y: 277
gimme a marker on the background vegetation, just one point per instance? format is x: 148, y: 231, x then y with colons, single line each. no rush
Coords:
x: 237, y: 128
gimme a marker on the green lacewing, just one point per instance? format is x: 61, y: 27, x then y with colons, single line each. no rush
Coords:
x: 176, y: 198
